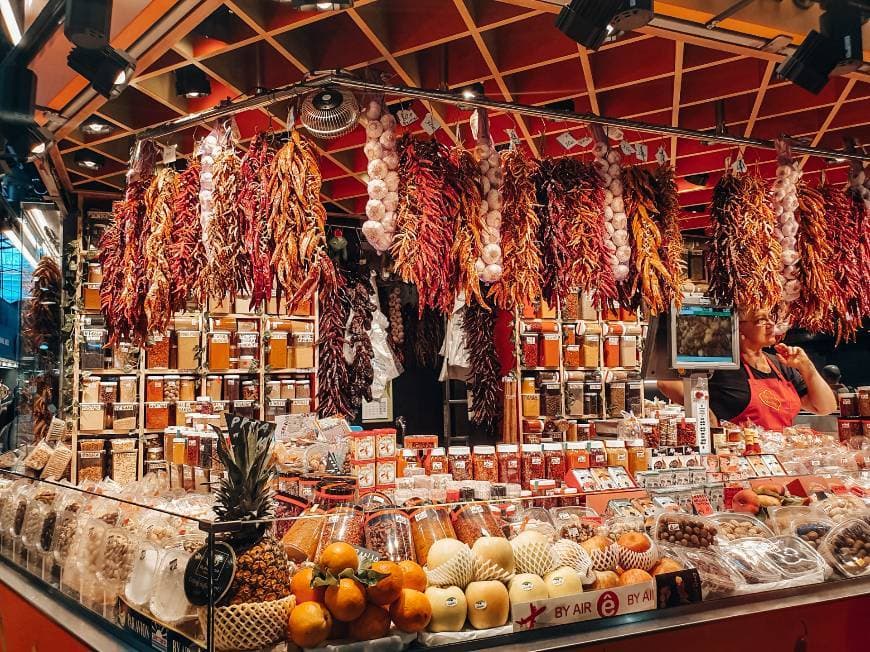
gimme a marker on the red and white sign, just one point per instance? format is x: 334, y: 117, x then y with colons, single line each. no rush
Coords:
x: 590, y: 605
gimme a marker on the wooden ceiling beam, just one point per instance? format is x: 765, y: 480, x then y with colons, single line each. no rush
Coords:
x: 830, y: 117
x: 679, y: 49
x: 483, y: 48
x: 759, y: 100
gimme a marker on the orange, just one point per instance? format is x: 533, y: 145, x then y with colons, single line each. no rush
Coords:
x: 412, y: 611
x: 337, y: 557
x: 346, y: 600
x: 374, y: 623
x: 634, y: 576
x: 388, y: 588
x: 413, y: 575
x: 300, y: 586
x: 309, y: 624
x: 634, y: 541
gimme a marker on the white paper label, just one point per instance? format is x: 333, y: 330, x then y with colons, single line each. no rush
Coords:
x: 406, y: 117
x: 661, y: 155
x: 641, y: 151
x: 584, y: 142
x: 429, y: 125
x: 512, y: 135
x: 566, y: 140
x: 626, y: 147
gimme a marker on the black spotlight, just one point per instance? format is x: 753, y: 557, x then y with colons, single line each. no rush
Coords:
x: 87, y: 22
x: 109, y: 70
x: 810, y: 65
x: 589, y: 22
x: 96, y: 127
x: 841, y: 23
x: 17, y: 94
x: 472, y: 91
x: 191, y: 81
x: 310, y: 5
x: 88, y: 160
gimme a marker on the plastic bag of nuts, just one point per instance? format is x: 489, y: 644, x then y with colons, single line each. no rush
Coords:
x: 117, y: 558
x: 576, y: 523
x: 684, y: 530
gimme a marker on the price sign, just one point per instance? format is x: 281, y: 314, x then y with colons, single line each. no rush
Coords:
x: 661, y: 155
x: 642, y: 152
x: 429, y: 125
x: 515, y: 140
x: 566, y: 140
x: 406, y: 117
x: 626, y: 147
x: 585, y: 141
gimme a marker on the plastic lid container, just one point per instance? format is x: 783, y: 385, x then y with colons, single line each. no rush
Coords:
x: 810, y: 529
x: 31, y: 529
x: 536, y: 519
x: 576, y: 523
x: 794, y: 557
x: 750, y: 557
x: 116, y: 558
x: 779, y: 518
x: 733, y: 526
x: 616, y: 526
x: 388, y: 533
x: 847, y: 548
x: 168, y: 601
x: 428, y: 525
x: 841, y: 508
x: 719, y: 578
x: 482, y: 450
x: 684, y: 530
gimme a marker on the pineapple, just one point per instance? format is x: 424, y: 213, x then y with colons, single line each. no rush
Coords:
x: 262, y: 572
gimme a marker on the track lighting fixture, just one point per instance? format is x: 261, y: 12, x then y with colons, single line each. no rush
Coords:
x: 86, y: 23
x: 472, y: 91
x: 589, y: 22
x: 88, y: 160
x: 191, y: 82
x: 841, y: 23
x: 109, y: 70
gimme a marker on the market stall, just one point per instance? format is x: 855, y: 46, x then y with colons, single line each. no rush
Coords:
x: 232, y: 465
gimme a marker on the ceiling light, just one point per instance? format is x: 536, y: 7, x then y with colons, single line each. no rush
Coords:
x: 10, y: 21
x: 308, y: 5
x: 89, y: 160
x: 191, y: 82
x: 86, y: 23
x: 589, y: 22
x: 109, y: 70
x: 96, y: 127
x: 811, y: 63
x: 473, y: 90
x: 39, y: 149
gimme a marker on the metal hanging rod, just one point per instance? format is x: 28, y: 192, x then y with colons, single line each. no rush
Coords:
x: 447, y: 97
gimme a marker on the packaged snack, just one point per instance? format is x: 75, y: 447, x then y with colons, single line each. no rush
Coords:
x: 576, y: 523
x: 750, y: 557
x: 794, y: 557
x: 684, y: 530
x: 847, y: 548
x: 733, y: 526
x: 719, y: 578
x: 388, y: 533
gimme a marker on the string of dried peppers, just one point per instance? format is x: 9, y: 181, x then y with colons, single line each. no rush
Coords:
x: 159, y: 206
x: 254, y: 201
x: 187, y: 257
x: 744, y: 256
x: 478, y: 325
x: 812, y: 309
x: 360, y: 371
x: 229, y: 266
x: 468, y: 226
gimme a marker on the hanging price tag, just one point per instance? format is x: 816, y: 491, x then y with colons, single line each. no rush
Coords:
x: 615, y: 133
x: 626, y: 147
x: 739, y: 165
x: 406, y: 117
x: 515, y: 140
x: 642, y: 152
x: 429, y: 125
x: 566, y: 140
x: 661, y: 155
x: 168, y: 153
x: 584, y: 142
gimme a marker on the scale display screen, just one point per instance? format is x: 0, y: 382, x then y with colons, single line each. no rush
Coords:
x: 704, y: 336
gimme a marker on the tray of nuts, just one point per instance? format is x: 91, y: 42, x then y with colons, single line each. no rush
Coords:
x: 718, y: 576
x: 685, y: 530
x: 750, y: 557
x: 847, y: 548
x: 576, y: 523
x: 840, y: 508
x: 794, y: 557
x: 810, y: 529
x: 739, y: 526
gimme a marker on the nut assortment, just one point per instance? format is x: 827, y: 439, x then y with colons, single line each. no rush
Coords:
x: 740, y: 528
x: 117, y: 558
x: 848, y: 548
x: 813, y: 533
x: 839, y: 508
x: 685, y: 531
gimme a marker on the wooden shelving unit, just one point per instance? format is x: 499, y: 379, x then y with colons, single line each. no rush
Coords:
x: 561, y: 369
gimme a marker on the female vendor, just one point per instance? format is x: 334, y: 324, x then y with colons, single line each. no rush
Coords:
x: 766, y: 390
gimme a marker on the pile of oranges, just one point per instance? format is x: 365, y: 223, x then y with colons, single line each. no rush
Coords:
x: 356, y: 604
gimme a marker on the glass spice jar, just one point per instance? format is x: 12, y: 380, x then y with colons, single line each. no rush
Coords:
x: 616, y: 398
x: 156, y: 415
x: 864, y: 401
x: 473, y: 521
x: 532, y: 466
x: 637, y: 456
x: 250, y: 390
x: 459, y: 462
x: 634, y: 394
x: 530, y: 350
x: 127, y: 389
x: 345, y: 524
x: 508, y: 459
x: 551, y: 399
x: 555, y: 463
x: 428, y: 525
x: 187, y: 388
x: 249, y: 347
x: 571, y: 306
x: 288, y: 389
x: 686, y: 432
x: 278, y: 349
x: 590, y: 350
x: 528, y: 385
x: 592, y: 398
x: 611, y: 351
x: 574, y: 399
x: 572, y: 356
x: 549, y: 350
x: 577, y: 455
x: 232, y: 387
x: 214, y: 388
x: 628, y: 351
x: 157, y: 352
x: 108, y: 392
x: 485, y: 465
x: 301, y: 540
x: 597, y: 454
x: 531, y: 405
x: 219, y: 350
x: 651, y: 432
x: 848, y: 405
x: 617, y: 455
x: 388, y: 533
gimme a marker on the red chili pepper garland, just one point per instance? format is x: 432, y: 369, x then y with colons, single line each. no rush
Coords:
x: 360, y: 371
x: 229, y: 266
x: 467, y: 226
x: 187, y: 258
x: 128, y: 316
x: 812, y: 309
x: 478, y: 324
x: 333, y: 378
x: 553, y: 236
x: 159, y: 204
x: 253, y: 200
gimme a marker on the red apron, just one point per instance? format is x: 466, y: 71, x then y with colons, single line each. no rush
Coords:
x: 773, y: 402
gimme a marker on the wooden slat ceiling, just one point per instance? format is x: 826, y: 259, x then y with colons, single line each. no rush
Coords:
x: 513, y: 48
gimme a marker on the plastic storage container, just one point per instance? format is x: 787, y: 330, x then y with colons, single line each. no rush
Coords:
x: 301, y: 540
x: 575, y: 523
x: 473, y: 521
x: 847, y: 548
x: 428, y: 525
x: 143, y: 574
x: 794, y: 557
x: 750, y: 557
x: 342, y: 524
x: 168, y: 602
x: 388, y: 533
x: 684, y: 530
x: 733, y: 526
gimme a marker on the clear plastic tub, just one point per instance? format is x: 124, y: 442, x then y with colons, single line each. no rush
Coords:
x: 301, y: 539
x: 143, y: 574
x: 534, y: 518
x: 841, y: 508
x: 65, y: 533
x: 476, y: 520
x: 618, y: 525
x: 428, y: 525
x: 779, y: 518
x: 750, y: 557
x: 87, y: 553
x: 388, y: 533
x: 685, y: 530
x: 794, y: 557
x: 847, y: 548
x: 342, y: 524
x: 718, y: 576
x: 14, y: 516
x: 576, y: 523
x: 811, y: 529
x: 734, y: 526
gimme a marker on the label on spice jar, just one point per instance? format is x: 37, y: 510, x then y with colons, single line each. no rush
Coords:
x: 90, y: 455
x: 220, y: 338
x: 93, y: 335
